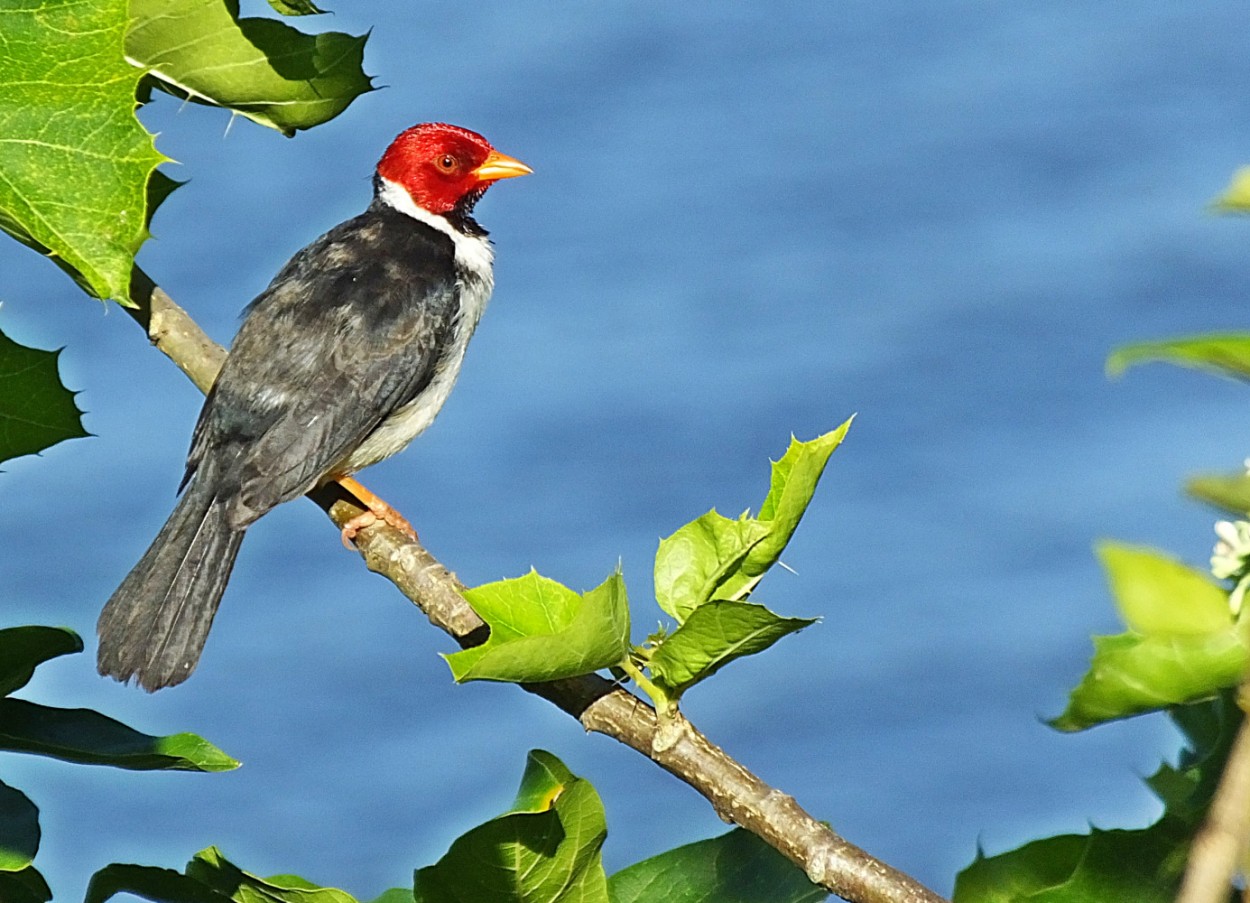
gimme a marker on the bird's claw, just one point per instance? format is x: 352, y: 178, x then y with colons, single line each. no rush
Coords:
x: 379, y: 512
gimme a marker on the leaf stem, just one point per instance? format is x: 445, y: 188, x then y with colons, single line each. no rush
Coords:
x: 665, y: 703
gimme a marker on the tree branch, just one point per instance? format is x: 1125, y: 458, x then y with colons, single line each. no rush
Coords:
x: 737, y: 795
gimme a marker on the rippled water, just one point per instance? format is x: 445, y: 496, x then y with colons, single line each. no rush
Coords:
x: 744, y: 223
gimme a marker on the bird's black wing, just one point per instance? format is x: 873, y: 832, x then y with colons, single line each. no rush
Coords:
x: 351, y: 329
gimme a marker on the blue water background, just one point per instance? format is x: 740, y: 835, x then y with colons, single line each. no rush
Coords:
x: 746, y: 220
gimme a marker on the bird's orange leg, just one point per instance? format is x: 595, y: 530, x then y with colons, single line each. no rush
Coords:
x: 378, y: 511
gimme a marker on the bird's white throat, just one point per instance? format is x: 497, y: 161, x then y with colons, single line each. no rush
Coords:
x: 474, y: 254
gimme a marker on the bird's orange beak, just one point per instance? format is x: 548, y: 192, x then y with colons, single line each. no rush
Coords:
x: 500, y: 166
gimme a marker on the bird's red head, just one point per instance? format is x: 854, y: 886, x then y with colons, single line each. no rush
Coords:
x: 439, y: 165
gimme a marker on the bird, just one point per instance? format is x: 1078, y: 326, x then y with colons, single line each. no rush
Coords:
x: 346, y: 356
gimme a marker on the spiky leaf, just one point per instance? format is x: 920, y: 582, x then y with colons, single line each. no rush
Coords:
x: 1209, y: 728
x: 693, y: 563
x: 1183, y: 644
x: 790, y: 491
x: 713, y: 636
x: 263, y: 69
x: 542, y: 630
x: 715, y: 557
x: 1143, y: 866
x: 36, y: 410
x: 76, y: 162
x: 1121, y: 865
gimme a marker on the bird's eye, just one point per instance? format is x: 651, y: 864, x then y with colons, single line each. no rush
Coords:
x: 447, y: 163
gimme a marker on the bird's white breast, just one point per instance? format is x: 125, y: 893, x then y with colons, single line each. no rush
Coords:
x: 475, y: 282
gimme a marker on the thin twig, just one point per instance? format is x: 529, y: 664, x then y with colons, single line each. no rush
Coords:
x: 737, y: 795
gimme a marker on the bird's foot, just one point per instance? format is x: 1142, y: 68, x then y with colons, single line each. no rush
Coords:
x: 378, y: 510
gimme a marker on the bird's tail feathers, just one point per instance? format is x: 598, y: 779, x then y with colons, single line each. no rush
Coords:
x: 154, y: 626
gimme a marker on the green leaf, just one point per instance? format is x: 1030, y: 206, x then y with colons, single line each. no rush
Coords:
x: 1157, y: 594
x: 22, y: 649
x: 396, y: 895
x: 36, y: 410
x: 1183, y: 644
x: 1209, y: 728
x: 793, y: 483
x: 87, y: 737
x: 1132, y: 674
x: 1230, y: 492
x: 794, y: 480
x: 211, y: 878
x: 541, y: 630
x: 20, y: 882
x: 1227, y: 354
x: 716, y: 557
x: 695, y: 561
x: 296, y: 7
x: 19, y: 830
x: 713, y: 636
x: 213, y: 870
x: 1236, y: 197
x: 75, y: 160
x: 160, y: 187
x: 549, y: 854
x: 26, y: 886
x: 736, y: 867
x: 264, y: 69
x: 1142, y: 866
x: 151, y: 883
x: 544, y: 779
